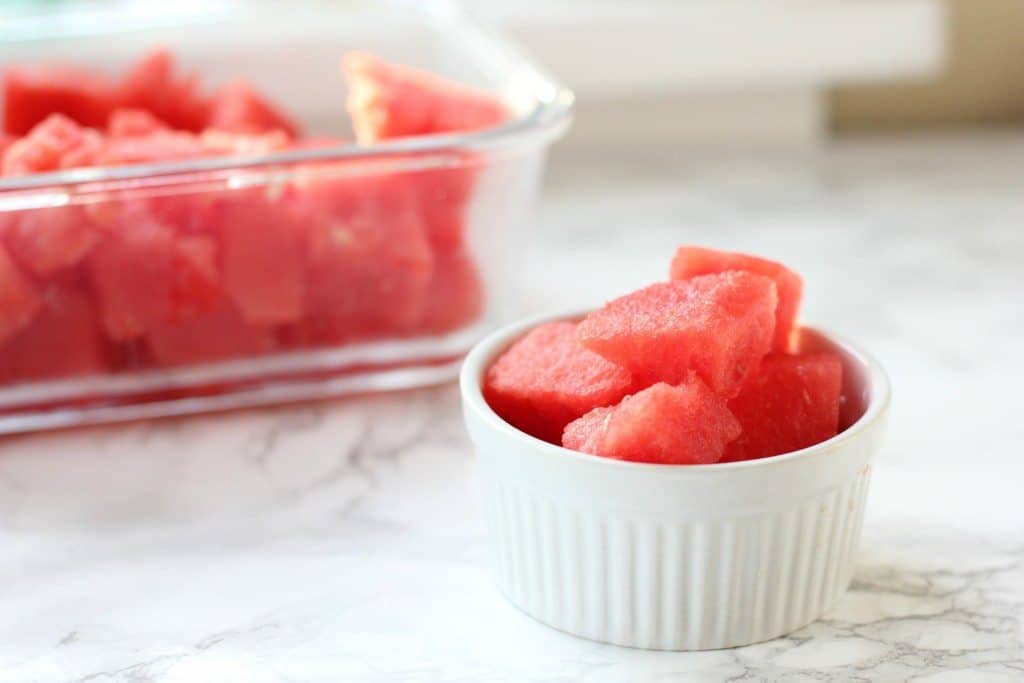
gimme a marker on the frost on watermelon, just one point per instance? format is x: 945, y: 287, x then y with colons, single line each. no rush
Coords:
x: 19, y: 297
x: 132, y: 274
x: 217, y: 334
x: 369, y: 260
x: 55, y: 143
x: 717, y: 326
x: 679, y: 425
x: 262, y: 241
x: 33, y: 93
x: 239, y: 108
x: 792, y: 402
x: 63, y: 340
x: 47, y: 240
x: 153, y: 85
x: 391, y: 101
x: 547, y: 379
x: 690, y: 261
x: 454, y: 295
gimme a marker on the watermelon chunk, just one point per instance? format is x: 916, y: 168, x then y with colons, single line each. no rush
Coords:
x: 19, y: 297
x: 239, y: 108
x: 391, y: 101
x: 717, y: 326
x: 547, y: 379
x: 443, y: 194
x: 369, y: 260
x: 134, y: 123
x: 262, y: 255
x: 55, y: 143
x: 196, y: 286
x: 162, y: 145
x: 454, y: 296
x: 132, y: 274
x: 47, y: 240
x: 153, y: 85
x: 690, y: 261
x: 792, y: 402
x: 215, y: 335
x: 33, y: 93
x: 63, y: 340
x: 678, y: 425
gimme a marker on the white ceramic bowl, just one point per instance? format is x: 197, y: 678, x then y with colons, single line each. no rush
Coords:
x: 676, y: 557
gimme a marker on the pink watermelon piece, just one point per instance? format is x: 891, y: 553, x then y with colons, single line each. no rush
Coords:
x: 263, y: 260
x: 134, y: 123
x: 691, y: 261
x: 454, y: 296
x: 6, y: 140
x: 47, y: 240
x: 443, y: 195
x: 132, y: 274
x: 34, y: 93
x: 239, y: 108
x: 792, y: 402
x: 547, y: 379
x: 717, y: 326
x: 64, y: 339
x: 19, y: 298
x: 392, y: 101
x: 55, y: 143
x: 677, y: 425
x: 218, y: 334
x: 161, y: 145
x: 196, y: 287
x: 153, y: 85
x: 369, y: 260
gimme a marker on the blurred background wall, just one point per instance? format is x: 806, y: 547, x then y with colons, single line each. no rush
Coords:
x: 982, y: 82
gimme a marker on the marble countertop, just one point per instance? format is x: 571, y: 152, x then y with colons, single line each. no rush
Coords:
x: 343, y: 541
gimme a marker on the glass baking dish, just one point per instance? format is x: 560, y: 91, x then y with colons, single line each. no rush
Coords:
x: 439, y: 221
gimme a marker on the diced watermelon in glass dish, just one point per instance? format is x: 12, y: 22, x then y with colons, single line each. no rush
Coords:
x: 19, y: 297
x: 152, y: 84
x: 55, y: 143
x: 63, y: 340
x: 34, y: 92
x: 239, y: 108
x: 217, y: 334
x: 454, y: 294
x: 51, y: 239
x: 392, y: 101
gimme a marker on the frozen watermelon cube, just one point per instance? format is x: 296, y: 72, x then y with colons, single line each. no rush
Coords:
x: 127, y: 122
x: 369, y: 260
x: 63, y: 340
x: 690, y: 261
x: 792, y: 402
x: 218, y: 334
x: 454, y: 295
x: 547, y: 379
x: 717, y: 326
x: 33, y: 93
x: 47, y: 240
x: 55, y: 143
x: 262, y: 254
x: 391, y: 101
x: 239, y: 108
x: 132, y: 274
x: 677, y: 425
x: 19, y: 297
x: 152, y: 84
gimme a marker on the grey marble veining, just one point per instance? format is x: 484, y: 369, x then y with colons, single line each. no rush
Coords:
x: 343, y: 541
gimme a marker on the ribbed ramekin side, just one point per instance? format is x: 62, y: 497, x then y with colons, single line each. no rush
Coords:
x: 657, y: 583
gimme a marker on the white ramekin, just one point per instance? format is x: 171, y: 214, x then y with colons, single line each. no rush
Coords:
x: 675, y: 557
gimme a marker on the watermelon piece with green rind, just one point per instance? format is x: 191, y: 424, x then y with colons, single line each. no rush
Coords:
x: 674, y: 425
x: 792, y: 402
x: 690, y: 261
x: 715, y: 326
x: 547, y: 379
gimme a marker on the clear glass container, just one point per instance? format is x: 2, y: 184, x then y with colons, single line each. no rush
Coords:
x: 341, y: 268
